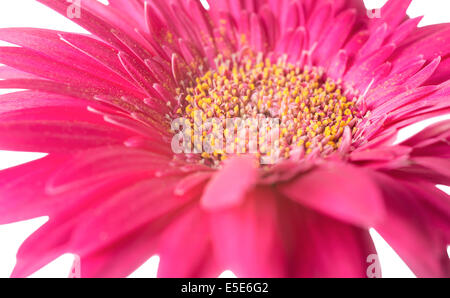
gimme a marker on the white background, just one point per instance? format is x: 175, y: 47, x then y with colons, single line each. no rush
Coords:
x: 29, y: 13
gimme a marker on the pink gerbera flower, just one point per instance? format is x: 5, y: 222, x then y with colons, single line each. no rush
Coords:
x: 341, y: 84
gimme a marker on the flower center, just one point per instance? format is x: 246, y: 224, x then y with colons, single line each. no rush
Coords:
x: 312, y: 109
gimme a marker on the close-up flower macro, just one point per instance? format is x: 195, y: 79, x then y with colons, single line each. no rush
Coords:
x: 255, y: 136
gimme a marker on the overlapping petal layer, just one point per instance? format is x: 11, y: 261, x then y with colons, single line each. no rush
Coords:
x: 116, y: 195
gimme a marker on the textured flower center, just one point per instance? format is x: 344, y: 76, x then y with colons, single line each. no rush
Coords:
x: 312, y: 109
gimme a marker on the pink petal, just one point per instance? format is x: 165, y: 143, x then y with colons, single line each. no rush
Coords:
x: 407, y: 229
x: 22, y: 195
x: 393, y: 12
x: 229, y: 186
x: 338, y: 190
x: 119, y: 215
x: 42, y: 247
x: 246, y: 238
x: 56, y: 129
x: 312, y: 239
x: 123, y: 257
x: 185, y: 248
x: 433, y: 132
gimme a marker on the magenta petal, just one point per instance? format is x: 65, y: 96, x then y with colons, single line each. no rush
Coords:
x: 123, y: 257
x: 431, y: 45
x: 50, y: 43
x: 246, y: 238
x: 407, y: 228
x: 229, y: 186
x: 22, y: 192
x: 185, y: 248
x: 433, y: 132
x: 33, y: 99
x: 91, y: 167
x: 386, y: 153
x: 56, y: 129
x: 118, y: 216
x: 312, y: 239
x: 341, y: 191
x: 336, y: 36
x: 438, y: 165
x: 393, y: 12
x: 436, y: 204
x: 42, y: 247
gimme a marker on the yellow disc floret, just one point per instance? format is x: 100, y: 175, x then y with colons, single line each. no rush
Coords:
x: 312, y: 109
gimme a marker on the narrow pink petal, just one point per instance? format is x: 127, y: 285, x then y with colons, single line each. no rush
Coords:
x: 22, y: 191
x: 318, y: 21
x: 246, y: 238
x: 50, y: 43
x: 404, y: 30
x: 33, y: 99
x: 367, y: 67
x: 56, y: 129
x: 439, y: 165
x: 95, y: 22
x: 44, y: 67
x: 430, y: 46
x: 436, y: 203
x: 185, y: 248
x: 357, y: 42
x: 89, y: 167
x: 336, y: 37
x: 230, y: 184
x: 341, y: 198
x: 310, y: 232
x: 422, y: 76
x: 42, y: 247
x: 192, y: 181
x: 407, y: 229
x: 374, y: 42
x: 151, y: 200
x: 258, y: 33
x: 433, y: 132
x: 24, y: 82
x: 141, y: 75
x: 338, y: 65
x: 381, y: 153
x: 406, y: 98
x: 124, y: 256
x: 393, y: 12
x: 97, y: 50
x: 55, y: 237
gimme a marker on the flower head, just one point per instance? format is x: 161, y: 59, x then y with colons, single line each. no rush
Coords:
x: 108, y: 108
